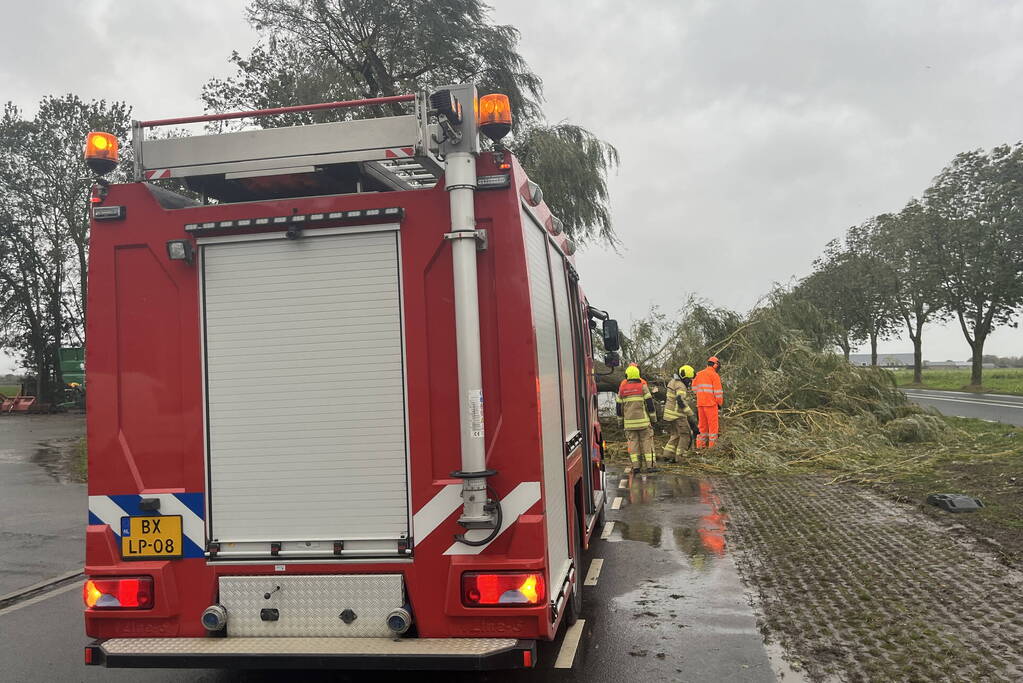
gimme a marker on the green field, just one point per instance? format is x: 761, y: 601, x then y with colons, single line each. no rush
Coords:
x: 998, y: 381
x: 9, y: 390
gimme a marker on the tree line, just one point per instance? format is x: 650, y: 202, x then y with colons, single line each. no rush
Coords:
x: 954, y: 253
x: 307, y: 52
x: 44, y: 229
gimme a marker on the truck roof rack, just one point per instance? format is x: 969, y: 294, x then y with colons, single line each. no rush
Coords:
x: 359, y: 155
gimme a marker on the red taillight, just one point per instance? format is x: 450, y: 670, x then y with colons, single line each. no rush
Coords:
x: 509, y: 590
x: 132, y: 592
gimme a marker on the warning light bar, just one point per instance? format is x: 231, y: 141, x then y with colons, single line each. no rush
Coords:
x: 510, y: 590
x: 391, y: 212
x: 495, y: 116
x: 101, y: 154
x: 129, y: 592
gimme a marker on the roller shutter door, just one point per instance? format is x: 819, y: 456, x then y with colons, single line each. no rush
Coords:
x: 305, y: 390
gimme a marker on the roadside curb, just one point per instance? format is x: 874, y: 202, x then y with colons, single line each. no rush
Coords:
x: 23, y: 594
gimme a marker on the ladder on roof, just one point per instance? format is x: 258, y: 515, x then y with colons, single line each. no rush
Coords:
x: 388, y: 153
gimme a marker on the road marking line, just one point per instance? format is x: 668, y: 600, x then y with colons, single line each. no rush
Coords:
x: 44, y: 596
x: 569, y: 645
x: 617, y: 503
x: 46, y: 583
x: 606, y: 533
x: 998, y: 404
x: 594, y: 572
x: 623, y: 484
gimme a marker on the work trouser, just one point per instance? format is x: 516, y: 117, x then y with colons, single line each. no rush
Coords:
x: 678, y: 434
x: 708, y: 426
x: 641, y: 445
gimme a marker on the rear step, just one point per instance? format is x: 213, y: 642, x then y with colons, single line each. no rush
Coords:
x: 315, y: 653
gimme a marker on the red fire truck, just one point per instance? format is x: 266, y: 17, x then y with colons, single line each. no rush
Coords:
x: 291, y: 461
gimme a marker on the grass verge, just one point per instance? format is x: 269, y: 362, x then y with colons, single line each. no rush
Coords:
x: 9, y: 389
x: 998, y: 381
x: 960, y: 455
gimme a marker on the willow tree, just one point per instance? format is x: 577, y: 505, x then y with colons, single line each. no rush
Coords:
x: 325, y: 50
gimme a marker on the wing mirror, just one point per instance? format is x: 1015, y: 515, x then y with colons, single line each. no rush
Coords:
x: 612, y: 359
x: 612, y: 342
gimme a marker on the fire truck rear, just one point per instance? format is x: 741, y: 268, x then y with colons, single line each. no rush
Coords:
x: 342, y: 411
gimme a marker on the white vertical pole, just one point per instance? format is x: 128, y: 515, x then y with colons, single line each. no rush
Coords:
x: 460, y: 182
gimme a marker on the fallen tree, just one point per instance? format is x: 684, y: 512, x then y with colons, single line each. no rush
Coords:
x: 791, y: 402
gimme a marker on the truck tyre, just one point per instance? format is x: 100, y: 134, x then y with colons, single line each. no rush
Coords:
x: 574, y: 607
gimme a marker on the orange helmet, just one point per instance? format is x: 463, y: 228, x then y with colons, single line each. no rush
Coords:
x: 713, y: 360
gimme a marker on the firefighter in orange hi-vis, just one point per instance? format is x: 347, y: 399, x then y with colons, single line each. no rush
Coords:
x: 709, y: 398
x: 636, y: 410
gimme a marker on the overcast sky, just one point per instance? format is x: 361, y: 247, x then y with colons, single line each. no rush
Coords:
x: 751, y: 132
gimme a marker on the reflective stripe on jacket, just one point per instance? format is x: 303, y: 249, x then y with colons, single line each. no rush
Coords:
x: 635, y: 404
x: 675, y: 405
x: 707, y: 386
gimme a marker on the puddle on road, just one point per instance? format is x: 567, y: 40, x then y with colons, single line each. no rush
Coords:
x: 695, y: 525
x: 693, y: 598
x: 54, y: 459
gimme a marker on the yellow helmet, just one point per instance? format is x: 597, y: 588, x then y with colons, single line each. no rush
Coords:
x: 632, y: 372
x: 686, y: 371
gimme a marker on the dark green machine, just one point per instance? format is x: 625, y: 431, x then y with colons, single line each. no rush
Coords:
x: 72, y: 369
x: 72, y: 365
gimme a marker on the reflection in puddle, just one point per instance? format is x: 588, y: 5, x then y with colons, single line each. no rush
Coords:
x: 696, y: 523
x: 54, y: 461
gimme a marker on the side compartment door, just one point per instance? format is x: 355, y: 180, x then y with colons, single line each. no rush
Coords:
x: 550, y: 393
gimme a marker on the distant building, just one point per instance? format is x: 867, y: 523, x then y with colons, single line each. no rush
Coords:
x: 885, y: 360
x: 953, y: 364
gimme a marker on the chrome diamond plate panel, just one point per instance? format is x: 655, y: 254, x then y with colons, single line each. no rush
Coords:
x: 310, y: 646
x: 311, y: 605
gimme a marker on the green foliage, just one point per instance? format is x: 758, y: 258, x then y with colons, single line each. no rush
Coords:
x: 975, y: 241
x: 326, y: 50
x: 916, y: 428
x: 571, y: 164
x: 44, y: 227
x: 958, y: 252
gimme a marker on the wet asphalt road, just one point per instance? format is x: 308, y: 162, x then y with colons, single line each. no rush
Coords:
x: 42, y: 514
x: 667, y: 605
x: 994, y: 407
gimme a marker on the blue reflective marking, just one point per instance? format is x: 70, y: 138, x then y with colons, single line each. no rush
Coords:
x: 130, y: 504
x: 194, y: 502
x: 191, y: 549
x: 93, y: 519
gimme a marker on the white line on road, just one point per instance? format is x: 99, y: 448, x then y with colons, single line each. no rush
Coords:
x: 623, y: 484
x: 594, y: 572
x: 617, y: 503
x: 971, y: 401
x: 569, y: 645
x: 42, y: 584
x: 606, y: 533
x: 44, y: 596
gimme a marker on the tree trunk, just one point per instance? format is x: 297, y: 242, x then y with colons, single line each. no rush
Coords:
x: 978, y: 361
x: 918, y: 362
x: 873, y: 349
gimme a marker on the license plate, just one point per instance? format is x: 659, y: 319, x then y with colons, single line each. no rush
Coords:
x: 148, y: 537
